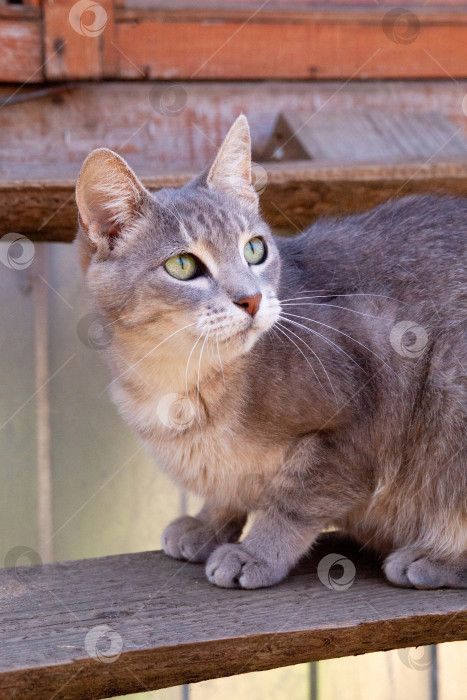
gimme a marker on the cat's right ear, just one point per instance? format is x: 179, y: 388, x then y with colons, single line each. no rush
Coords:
x: 109, y: 197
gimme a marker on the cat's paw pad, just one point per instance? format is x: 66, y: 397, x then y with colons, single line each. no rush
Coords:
x: 190, y: 539
x: 231, y: 566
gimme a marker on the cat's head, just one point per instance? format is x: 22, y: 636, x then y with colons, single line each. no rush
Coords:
x: 198, y: 257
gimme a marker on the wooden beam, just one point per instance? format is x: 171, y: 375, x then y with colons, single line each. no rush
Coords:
x: 20, y: 44
x: 289, y: 43
x: 155, y: 622
x: 295, y: 195
x: 65, y: 126
x: 171, y: 41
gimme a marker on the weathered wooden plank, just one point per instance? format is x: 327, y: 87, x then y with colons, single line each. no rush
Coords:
x: 253, y: 5
x: 78, y: 39
x: 290, y: 43
x: 65, y: 127
x: 295, y: 193
x: 20, y: 45
x: 247, y: 41
x: 282, y: 12
x: 166, y: 625
x: 371, y: 136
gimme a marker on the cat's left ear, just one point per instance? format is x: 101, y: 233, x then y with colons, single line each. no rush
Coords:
x: 231, y: 170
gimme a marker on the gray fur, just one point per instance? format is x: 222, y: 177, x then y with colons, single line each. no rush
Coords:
x: 334, y: 424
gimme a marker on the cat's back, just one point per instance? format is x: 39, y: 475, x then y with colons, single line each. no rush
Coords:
x: 423, y: 238
x: 373, y: 275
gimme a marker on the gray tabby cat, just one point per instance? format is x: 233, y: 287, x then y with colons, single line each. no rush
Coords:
x: 318, y: 380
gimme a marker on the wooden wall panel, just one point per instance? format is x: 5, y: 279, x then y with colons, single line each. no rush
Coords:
x: 171, y: 41
x: 277, y: 684
x: 290, y: 45
x: 253, y: 5
x: 20, y: 45
x: 18, y: 476
x: 131, y: 118
x: 78, y: 42
x: 380, y: 676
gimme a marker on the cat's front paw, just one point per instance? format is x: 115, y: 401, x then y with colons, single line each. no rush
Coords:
x: 231, y: 566
x: 397, y: 564
x: 190, y: 539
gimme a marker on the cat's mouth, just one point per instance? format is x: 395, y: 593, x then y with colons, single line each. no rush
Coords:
x: 229, y: 332
x: 254, y: 327
x: 228, y: 329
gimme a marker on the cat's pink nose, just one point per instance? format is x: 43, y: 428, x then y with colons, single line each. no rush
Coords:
x: 250, y: 304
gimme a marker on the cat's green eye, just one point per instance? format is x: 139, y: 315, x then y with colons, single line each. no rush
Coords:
x: 182, y: 267
x: 254, y: 251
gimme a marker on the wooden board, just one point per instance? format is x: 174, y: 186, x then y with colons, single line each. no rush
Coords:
x: 20, y: 44
x: 167, y: 625
x: 295, y: 44
x: 43, y: 208
x: 251, y: 40
x: 64, y: 127
x: 371, y: 136
x: 253, y: 5
x: 233, y: 41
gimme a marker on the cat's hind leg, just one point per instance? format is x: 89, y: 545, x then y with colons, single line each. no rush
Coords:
x: 412, y: 568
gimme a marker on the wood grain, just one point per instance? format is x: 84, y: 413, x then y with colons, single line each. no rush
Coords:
x: 292, y: 43
x: 371, y: 136
x: 296, y: 193
x: 252, y: 5
x: 20, y: 45
x: 69, y: 52
x: 64, y: 127
x: 173, y: 627
x: 228, y: 41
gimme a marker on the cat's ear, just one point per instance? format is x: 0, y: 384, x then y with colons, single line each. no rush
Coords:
x: 108, y: 195
x: 231, y: 170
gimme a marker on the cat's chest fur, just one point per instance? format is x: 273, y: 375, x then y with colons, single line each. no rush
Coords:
x: 201, y: 442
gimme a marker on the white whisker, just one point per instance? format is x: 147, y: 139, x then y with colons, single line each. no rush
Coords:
x: 314, y: 353
x: 353, y: 294
x: 323, y: 337
x: 219, y: 355
x: 175, y: 213
x: 188, y: 362
x: 336, y: 330
x: 199, y: 370
x: 335, y: 306
x: 282, y: 329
